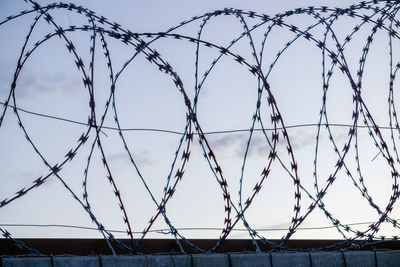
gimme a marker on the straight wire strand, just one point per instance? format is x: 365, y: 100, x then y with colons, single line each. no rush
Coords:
x: 181, y: 133
x: 167, y: 231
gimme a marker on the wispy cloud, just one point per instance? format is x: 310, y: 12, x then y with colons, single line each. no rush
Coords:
x: 122, y: 159
x: 300, y: 139
x: 227, y: 140
x: 5, y: 81
x: 26, y: 178
x: 34, y: 82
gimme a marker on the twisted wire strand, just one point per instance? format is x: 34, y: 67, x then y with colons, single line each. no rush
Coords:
x: 383, y: 18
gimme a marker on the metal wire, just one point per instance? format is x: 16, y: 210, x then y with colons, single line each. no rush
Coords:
x: 380, y: 15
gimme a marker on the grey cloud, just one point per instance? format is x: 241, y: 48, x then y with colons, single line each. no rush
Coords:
x: 5, y: 83
x: 26, y: 178
x: 225, y: 140
x: 299, y: 139
x: 238, y: 143
x: 122, y: 159
x: 34, y: 82
x: 260, y: 146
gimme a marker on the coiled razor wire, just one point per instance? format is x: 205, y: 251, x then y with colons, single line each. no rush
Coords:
x: 380, y: 15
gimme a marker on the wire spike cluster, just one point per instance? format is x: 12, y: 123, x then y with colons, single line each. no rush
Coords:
x: 380, y: 15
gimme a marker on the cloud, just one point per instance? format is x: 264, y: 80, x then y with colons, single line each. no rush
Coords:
x: 5, y: 82
x: 236, y: 144
x: 122, y: 159
x: 225, y: 140
x: 259, y: 145
x: 301, y: 139
x: 26, y: 178
x: 34, y: 82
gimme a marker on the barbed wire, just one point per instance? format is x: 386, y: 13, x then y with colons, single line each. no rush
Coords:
x: 166, y: 231
x: 380, y: 15
x: 180, y: 133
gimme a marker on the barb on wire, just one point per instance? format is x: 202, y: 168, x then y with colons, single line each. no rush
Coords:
x: 268, y: 119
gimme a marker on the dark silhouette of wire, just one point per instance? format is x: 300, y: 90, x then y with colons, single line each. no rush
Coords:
x: 166, y: 231
x: 181, y: 133
x: 381, y: 15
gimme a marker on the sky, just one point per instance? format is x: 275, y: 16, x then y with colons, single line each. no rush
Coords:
x: 146, y: 98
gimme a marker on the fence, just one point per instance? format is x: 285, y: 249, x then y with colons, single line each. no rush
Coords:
x: 279, y: 152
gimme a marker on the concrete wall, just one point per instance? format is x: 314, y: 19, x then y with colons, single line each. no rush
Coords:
x: 313, y: 259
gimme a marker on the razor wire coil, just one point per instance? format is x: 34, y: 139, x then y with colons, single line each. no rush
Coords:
x: 380, y: 15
